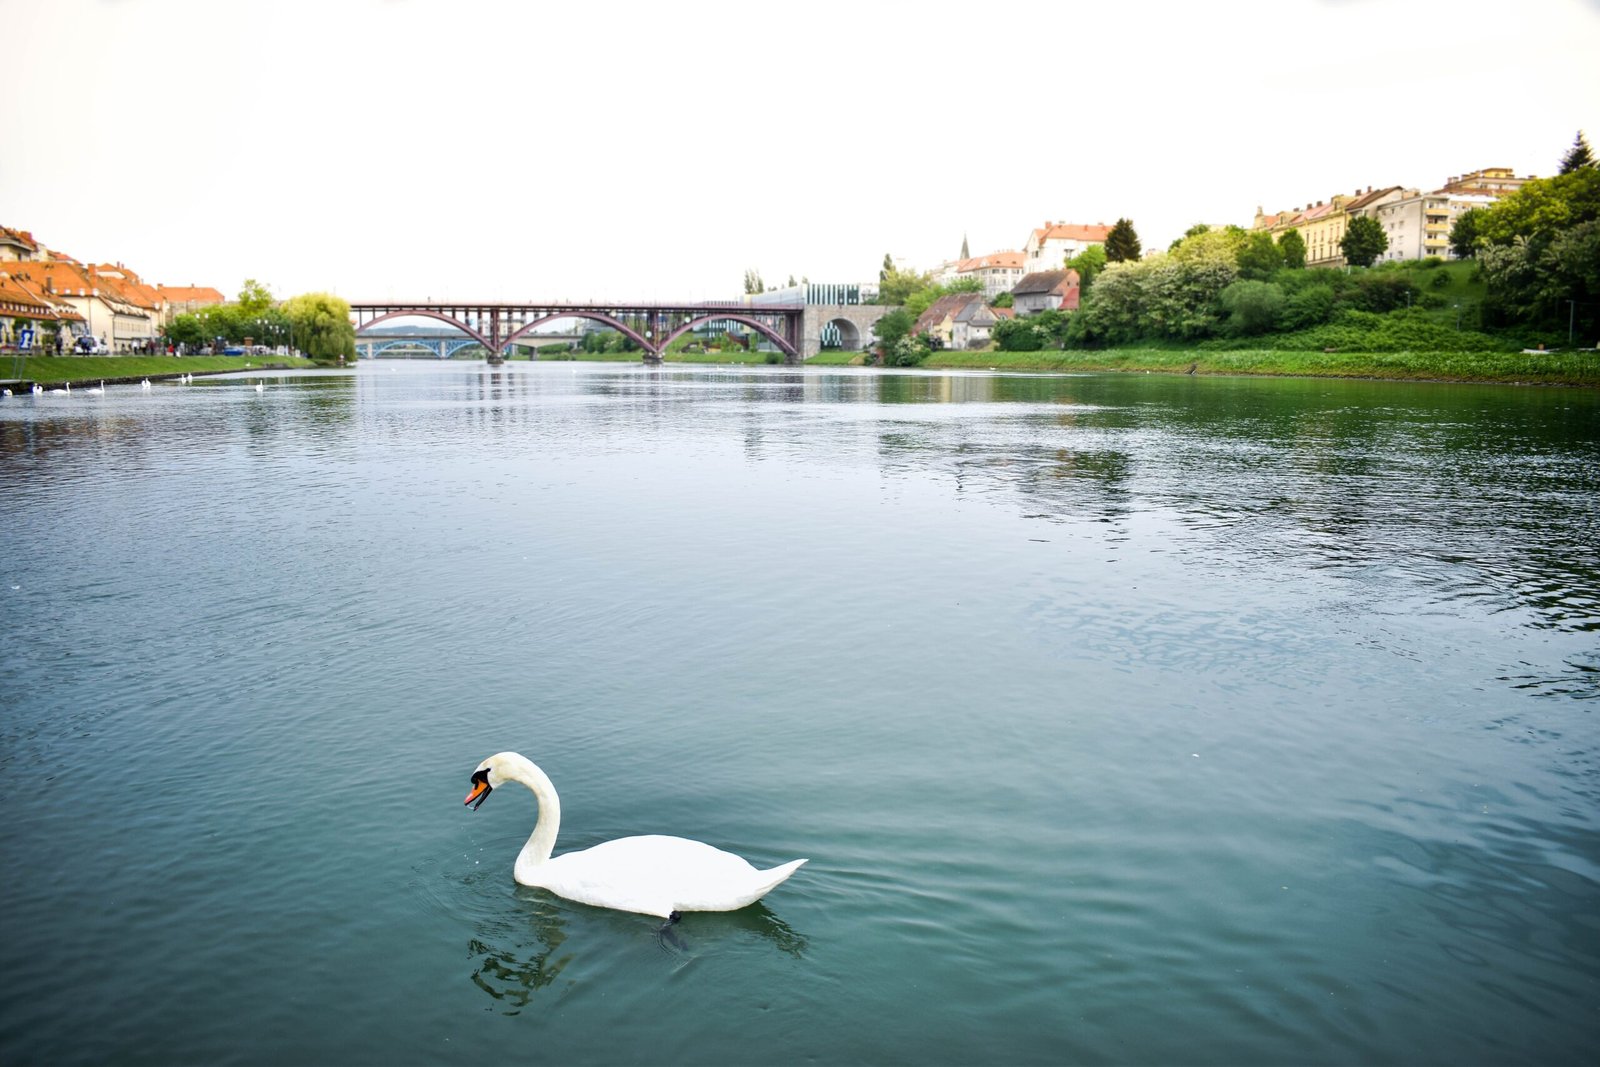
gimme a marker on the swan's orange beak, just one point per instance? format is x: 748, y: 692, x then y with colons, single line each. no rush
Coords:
x: 480, y: 792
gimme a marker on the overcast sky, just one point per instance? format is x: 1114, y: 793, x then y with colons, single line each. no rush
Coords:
x: 538, y: 150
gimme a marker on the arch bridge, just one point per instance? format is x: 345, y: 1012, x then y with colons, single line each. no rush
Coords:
x: 652, y: 326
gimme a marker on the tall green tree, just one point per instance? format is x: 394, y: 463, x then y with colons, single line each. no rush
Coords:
x: 1293, y: 247
x: 897, y: 285
x: 1464, y: 233
x: 887, y: 268
x: 1122, y: 243
x: 321, y: 326
x: 1578, y: 156
x: 1363, y: 241
x: 1088, y: 263
x: 1260, y: 257
x: 254, y: 298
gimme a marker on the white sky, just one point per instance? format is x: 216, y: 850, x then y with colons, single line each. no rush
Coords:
x: 475, y: 149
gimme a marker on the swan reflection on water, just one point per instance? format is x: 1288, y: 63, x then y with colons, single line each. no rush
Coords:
x: 511, y: 966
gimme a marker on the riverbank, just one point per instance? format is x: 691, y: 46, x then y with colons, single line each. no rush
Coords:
x: 59, y: 370
x: 1575, y: 367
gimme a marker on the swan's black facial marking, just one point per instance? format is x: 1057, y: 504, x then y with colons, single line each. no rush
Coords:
x: 480, y: 789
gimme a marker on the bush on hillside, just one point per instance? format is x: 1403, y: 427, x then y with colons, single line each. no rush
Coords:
x: 1364, y: 331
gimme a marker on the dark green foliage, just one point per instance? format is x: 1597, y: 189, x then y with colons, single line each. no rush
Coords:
x: 1044, y: 330
x: 1440, y: 281
x: 1578, y: 156
x: 1464, y: 233
x: 1363, y: 331
x: 1311, y: 306
x: 1122, y: 243
x: 1293, y: 249
x: 1363, y: 241
x: 1385, y: 290
x: 893, y: 326
x: 1253, y: 306
x: 1260, y: 257
x: 888, y: 266
x: 1004, y: 300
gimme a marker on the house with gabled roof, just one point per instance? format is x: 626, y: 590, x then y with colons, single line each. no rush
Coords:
x: 1050, y: 246
x: 1046, y: 290
x: 958, y: 320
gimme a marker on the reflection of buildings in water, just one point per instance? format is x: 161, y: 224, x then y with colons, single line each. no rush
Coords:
x: 512, y: 968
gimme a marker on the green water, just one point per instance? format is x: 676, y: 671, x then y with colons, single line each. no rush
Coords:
x: 1123, y: 719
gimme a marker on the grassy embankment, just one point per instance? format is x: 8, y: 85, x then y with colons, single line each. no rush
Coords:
x: 57, y: 370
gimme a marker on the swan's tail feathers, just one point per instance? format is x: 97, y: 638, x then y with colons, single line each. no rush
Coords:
x: 776, y: 876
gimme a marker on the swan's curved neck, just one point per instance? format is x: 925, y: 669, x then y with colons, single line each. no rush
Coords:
x: 543, y: 839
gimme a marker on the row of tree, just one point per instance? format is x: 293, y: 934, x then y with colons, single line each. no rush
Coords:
x: 317, y: 324
x: 1540, y: 250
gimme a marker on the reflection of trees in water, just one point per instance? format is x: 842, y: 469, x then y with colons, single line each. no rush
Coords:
x: 520, y: 954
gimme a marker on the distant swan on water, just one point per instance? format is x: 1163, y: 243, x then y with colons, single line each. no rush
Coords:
x: 67, y: 389
x: 101, y: 391
x: 37, y: 389
x: 145, y: 384
x: 260, y: 387
x: 651, y: 875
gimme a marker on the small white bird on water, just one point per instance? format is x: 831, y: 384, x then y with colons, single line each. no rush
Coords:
x: 260, y: 387
x: 652, y: 875
x: 67, y: 390
x: 37, y: 389
x: 101, y: 391
x: 145, y: 384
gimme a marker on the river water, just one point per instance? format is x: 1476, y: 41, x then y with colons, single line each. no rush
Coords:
x: 1123, y: 719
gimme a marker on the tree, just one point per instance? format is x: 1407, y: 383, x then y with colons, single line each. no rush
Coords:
x: 1253, y: 306
x: 1192, y: 231
x: 887, y: 268
x: 1464, y: 233
x: 1363, y: 241
x: 1578, y: 156
x: 1088, y: 263
x: 254, y: 298
x: 321, y: 326
x: 1003, y: 300
x: 898, y: 285
x: 752, y: 281
x: 1293, y: 248
x: 893, y: 326
x: 792, y: 282
x: 1260, y: 257
x: 1122, y: 243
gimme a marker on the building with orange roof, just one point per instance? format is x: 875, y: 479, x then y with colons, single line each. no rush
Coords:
x: 17, y: 245
x: 1050, y: 246
x: 1322, y: 225
x: 22, y: 300
x: 111, y: 307
x: 1047, y: 290
x: 188, y: 299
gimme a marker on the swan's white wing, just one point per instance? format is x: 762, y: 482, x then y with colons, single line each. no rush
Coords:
x: 658, y: 875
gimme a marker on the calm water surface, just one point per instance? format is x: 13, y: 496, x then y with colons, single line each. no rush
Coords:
x: 1124, y: 719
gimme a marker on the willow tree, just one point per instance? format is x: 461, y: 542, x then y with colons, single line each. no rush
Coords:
x: 321, y: 327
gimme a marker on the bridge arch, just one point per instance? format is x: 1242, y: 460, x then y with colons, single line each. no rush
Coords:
x: 849, y: 334
x: 727, y: 316
x: 421, y: 313
x: 593, y: 316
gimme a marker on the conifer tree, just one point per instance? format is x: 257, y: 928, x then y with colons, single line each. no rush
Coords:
x: 1122, y: 243
x: 1578, y: 156
x: 888, y: 266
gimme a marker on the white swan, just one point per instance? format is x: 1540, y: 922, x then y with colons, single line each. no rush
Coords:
x: 101, y: 391
x: 145, y: 384
x: 37, y: 389
x: 652, y: 875
x: 259, y: 387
